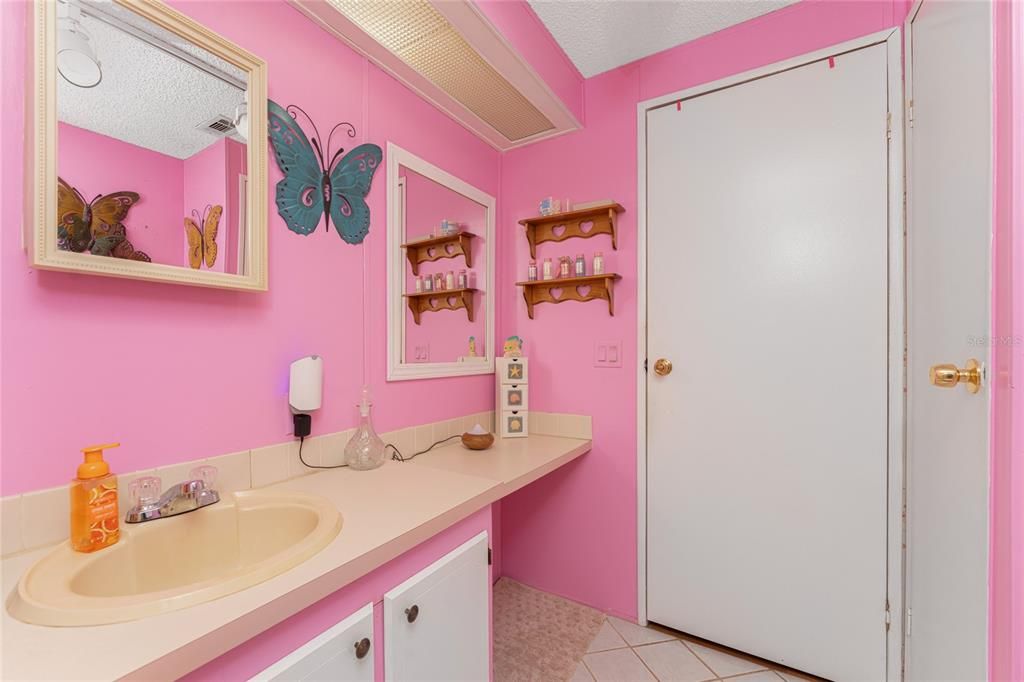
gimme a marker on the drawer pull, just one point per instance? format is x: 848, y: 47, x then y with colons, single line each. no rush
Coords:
x: 362, y: 647
x: 412, y: 613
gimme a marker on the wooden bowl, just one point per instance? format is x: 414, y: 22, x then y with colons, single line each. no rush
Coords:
x: 477, y: 441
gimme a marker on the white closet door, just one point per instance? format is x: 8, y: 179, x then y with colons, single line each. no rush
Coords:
x: 767, y: 289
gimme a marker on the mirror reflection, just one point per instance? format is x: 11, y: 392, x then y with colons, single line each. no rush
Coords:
x: 151, y: 153
x: 444, y: 235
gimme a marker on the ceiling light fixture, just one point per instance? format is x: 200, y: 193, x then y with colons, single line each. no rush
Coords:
x: 76, y: 59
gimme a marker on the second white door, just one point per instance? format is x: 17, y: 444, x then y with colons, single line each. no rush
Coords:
x: 768, y: 291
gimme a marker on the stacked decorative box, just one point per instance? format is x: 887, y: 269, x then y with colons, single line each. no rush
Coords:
x: 511, y: 403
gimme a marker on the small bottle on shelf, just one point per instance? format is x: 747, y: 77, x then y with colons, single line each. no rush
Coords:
x: 449, y: 280
x: 438, y: 282
x: 428, y: 283
x: 531, y: 272
x: 563, y: 267
x: 419, y: 284
x: 598, y: 263
x: 548, y: 273
x: 581, y: 265
x: 463, y: 282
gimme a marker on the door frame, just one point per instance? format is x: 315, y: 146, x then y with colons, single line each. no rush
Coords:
x: 893, y: 40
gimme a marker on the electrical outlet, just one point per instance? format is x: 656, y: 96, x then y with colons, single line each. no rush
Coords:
x: 422, y: 353
x: 607, y: 354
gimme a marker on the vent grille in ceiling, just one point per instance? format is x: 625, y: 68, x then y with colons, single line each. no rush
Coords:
x: 219, y: 125
x: 423, y: 39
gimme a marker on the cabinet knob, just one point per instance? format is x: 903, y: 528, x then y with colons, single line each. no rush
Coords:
x: 362, y: 647
x: 412, y: 613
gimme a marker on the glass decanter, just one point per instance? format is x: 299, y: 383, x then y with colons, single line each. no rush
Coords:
x: 365, y: 450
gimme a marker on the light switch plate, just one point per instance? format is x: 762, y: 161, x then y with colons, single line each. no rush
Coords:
x: 607, y: 354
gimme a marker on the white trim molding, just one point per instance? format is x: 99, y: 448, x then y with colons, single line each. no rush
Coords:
x: 41, y: 164
x: 398, y: 370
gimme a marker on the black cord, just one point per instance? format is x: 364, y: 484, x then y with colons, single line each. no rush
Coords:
x: 396, y: 456
x: 302, y: 439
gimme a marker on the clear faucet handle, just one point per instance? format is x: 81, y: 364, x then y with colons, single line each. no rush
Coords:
x: 205, y: 473
x: 145, y: 490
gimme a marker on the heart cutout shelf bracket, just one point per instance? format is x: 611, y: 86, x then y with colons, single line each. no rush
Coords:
x: 444, y: 299
x: 436, y: 248
x: 588, y: 288
x: 561, y: 226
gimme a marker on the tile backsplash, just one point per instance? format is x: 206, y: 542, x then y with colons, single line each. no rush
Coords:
x: 40, y: 517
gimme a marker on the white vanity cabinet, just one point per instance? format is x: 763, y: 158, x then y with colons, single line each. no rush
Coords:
x: 344, y: 653
x: 437, y: 623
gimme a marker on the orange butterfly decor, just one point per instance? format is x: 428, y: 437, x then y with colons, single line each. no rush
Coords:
x: 95, y: 226
x: 202, y: 242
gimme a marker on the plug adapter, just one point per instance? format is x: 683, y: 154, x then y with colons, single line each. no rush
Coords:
x: 303, y: 424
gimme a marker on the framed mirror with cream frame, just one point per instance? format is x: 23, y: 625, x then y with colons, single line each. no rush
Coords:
x: 440, y: 228
x: 142, y: 119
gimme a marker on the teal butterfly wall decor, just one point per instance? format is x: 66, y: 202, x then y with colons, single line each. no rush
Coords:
x: 315, y: 187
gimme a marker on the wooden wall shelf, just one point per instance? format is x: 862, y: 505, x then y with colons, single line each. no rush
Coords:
x: 542, y: 229
x: 436, y: 248
x: 585, y: 288
x: 448, y: 299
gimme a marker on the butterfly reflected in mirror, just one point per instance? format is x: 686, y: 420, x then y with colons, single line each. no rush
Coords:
x: 202, y: 241
x: 95, y: 226
x: 318, y: 184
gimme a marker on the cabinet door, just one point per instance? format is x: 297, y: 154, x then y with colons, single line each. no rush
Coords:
x: 341, y: 654
x: 437, y: 623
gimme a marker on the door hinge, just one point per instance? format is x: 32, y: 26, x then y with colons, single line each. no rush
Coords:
x: 910, y: 623
x: 645, y: 365
x: 490, y: 557
x: 888, y: 125
x: 910, y: 113
x: 888, y: 616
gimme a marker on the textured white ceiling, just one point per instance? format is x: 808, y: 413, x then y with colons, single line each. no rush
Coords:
x: 149, y: 97
x: 599, y: 35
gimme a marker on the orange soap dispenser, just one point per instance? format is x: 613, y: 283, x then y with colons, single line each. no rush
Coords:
x: 94, y: 514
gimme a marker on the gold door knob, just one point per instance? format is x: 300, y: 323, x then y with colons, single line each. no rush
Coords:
x: 662, y: 367
x: 948, y: 376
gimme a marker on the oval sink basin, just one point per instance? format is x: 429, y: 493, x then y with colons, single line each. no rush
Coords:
x: 173, y: 563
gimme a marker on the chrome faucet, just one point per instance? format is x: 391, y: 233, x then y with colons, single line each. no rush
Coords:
x: 148, y: 504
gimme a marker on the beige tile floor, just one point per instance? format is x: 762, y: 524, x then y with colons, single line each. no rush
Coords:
x: 625, y: 652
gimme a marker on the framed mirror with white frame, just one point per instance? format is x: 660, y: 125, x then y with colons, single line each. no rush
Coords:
x: 440, y: 260
x: 141, y: 120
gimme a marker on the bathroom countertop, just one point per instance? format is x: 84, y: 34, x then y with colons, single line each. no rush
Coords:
x: 385, y: 513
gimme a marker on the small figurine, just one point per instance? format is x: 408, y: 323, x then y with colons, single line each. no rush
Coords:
x: 472, y: 347
x: 513, y: 347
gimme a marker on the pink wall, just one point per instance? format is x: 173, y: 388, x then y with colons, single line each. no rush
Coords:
x: 396, y: 115
x: 1015, y: 637
x: 150, y: 384
x: 206, y: 184
x: 229, y: 224
x: 427, y: 203
x: 96, y: 164
x: 574, y: 532
x: 1007, y: 527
